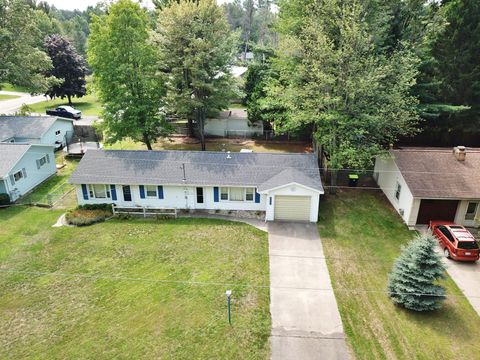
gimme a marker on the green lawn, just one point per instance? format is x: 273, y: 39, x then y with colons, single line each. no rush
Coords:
x: 8, y: 97
x: 10, y: 87
x: 362, y: 236
x: 216, y: 145
x: 131, y: 289
x: 89, y: 105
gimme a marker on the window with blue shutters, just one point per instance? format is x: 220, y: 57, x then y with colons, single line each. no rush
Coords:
x: 142, y: 192
x: 215, y: 194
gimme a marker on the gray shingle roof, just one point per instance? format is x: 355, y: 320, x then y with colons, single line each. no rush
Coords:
x: 31, y: 127
x: 201, y: 168
x: 9, y: 156
x: 436, y: 173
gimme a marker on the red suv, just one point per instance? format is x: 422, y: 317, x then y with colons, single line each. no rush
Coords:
x: 456, y: 241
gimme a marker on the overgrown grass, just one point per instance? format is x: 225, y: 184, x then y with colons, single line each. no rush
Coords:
x: 362, y: 236
x: 215, y: 145
x: 88, y: 105
x: 131, y: 289
x: 8, y: 97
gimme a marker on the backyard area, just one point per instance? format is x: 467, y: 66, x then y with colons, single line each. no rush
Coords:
x: 214, y: 144
x: 362, y: 236
x: 131, y: 289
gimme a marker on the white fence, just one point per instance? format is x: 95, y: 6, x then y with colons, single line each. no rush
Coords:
x: 143, y: 211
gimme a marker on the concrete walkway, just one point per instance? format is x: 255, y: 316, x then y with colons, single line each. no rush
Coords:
x: 306, y: 323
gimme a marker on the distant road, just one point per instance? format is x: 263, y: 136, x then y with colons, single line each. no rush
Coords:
x: 13, y: 105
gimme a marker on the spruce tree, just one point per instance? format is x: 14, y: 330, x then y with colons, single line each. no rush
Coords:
x: 412, y: 283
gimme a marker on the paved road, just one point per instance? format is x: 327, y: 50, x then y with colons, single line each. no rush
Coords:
x: 11, y: 106
x: 467, y: 278
x: 306, y: 323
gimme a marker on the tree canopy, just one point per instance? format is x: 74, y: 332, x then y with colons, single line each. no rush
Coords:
x: 196, y: 48
x: 125, y: 74
x: 68, y: 66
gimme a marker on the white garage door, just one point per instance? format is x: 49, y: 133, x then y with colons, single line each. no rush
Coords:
x: 295, y: 208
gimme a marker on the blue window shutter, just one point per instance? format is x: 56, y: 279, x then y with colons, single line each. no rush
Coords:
x: 257, y: 196
x: 160, y: 191
x: 142, y: 191
x: 270, y: 200
x: 85, y: 192
x: 215, y: 194
x: 114, y: 192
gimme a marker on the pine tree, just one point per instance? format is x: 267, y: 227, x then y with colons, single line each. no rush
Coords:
x: 412, y: 281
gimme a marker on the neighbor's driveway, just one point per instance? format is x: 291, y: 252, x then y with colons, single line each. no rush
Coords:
x: 13, y: 105
x: 306, y: 323
x: 467, y: 278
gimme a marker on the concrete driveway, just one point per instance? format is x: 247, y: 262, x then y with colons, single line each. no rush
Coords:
x: 13, y: 105
x: 306, y: 323
x: 467, y: 278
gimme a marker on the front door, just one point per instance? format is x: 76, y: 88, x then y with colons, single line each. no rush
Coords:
x: 471, y: 213
x: 127, y: 193
x: 199, y: 195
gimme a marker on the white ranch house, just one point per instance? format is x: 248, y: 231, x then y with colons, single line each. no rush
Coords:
x: 283, y: 186
x: 425, y: 184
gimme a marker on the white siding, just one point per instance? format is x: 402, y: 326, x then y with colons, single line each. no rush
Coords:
x: 388, y: 175
x: 34, y: 176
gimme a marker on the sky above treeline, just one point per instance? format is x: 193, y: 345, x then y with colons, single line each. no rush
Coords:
x: 83, y: 4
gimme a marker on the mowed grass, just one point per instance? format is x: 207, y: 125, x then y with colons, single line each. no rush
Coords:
x: 8, y: 97
x: 362, y: 236
x: 88, y: 105
x: 10, y: 87
x: 136, y: 289
x: 233, y: 145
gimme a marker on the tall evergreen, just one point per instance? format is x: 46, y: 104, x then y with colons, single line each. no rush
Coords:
x: 412, y: 283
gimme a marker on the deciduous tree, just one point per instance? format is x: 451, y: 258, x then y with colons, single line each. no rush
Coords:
x: 125, y: 73
x: 68, y: 66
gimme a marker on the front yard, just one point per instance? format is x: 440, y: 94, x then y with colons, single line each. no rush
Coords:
x: 131, y: 289
x: 361, y: 237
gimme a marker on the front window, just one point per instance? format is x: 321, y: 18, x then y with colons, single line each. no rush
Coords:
x: 42, y: 161
x: 151, y: 191
x: 223, y: 193
x: 98, y: 191
x: 249, y: 194
x: 236, y: 194
x: 58, y: 132
x: 18, y: 175
x: 398, y: 189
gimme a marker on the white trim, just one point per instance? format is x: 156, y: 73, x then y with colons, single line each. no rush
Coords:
x: 266, y: 191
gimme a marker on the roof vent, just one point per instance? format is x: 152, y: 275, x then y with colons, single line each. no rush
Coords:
x: 460, y: 153
x: 228, y: 155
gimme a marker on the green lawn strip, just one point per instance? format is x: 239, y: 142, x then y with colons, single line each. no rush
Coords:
x: 116, y: 309
x: 216, y: 145
x: 88, y: 105
x: 10, y: 87
x: 8, y: 97
x: 362, y: 236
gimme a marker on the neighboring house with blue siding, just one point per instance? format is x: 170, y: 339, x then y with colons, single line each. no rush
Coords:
x: 283, y: 186
x: 48, y: 130
x: 24, y: 166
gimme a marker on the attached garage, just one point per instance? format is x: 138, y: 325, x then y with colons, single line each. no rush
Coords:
x: 437, y: 210
x: 292, y: 208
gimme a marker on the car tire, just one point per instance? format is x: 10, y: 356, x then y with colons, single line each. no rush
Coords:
x: 446, y: 252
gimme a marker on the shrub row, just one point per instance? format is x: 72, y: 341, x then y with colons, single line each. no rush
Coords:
x: 88, y: 214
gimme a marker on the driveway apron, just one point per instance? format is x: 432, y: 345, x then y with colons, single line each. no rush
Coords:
x: 306, y: 323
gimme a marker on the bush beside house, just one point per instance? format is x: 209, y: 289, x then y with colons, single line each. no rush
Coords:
x: 89, y: 214
x: 4, y: 199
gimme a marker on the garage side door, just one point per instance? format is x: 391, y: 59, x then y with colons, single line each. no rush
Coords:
x: 437, y: 210
x: 292, y: 208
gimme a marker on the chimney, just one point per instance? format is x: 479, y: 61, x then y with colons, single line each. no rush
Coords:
x: 460, y: 153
